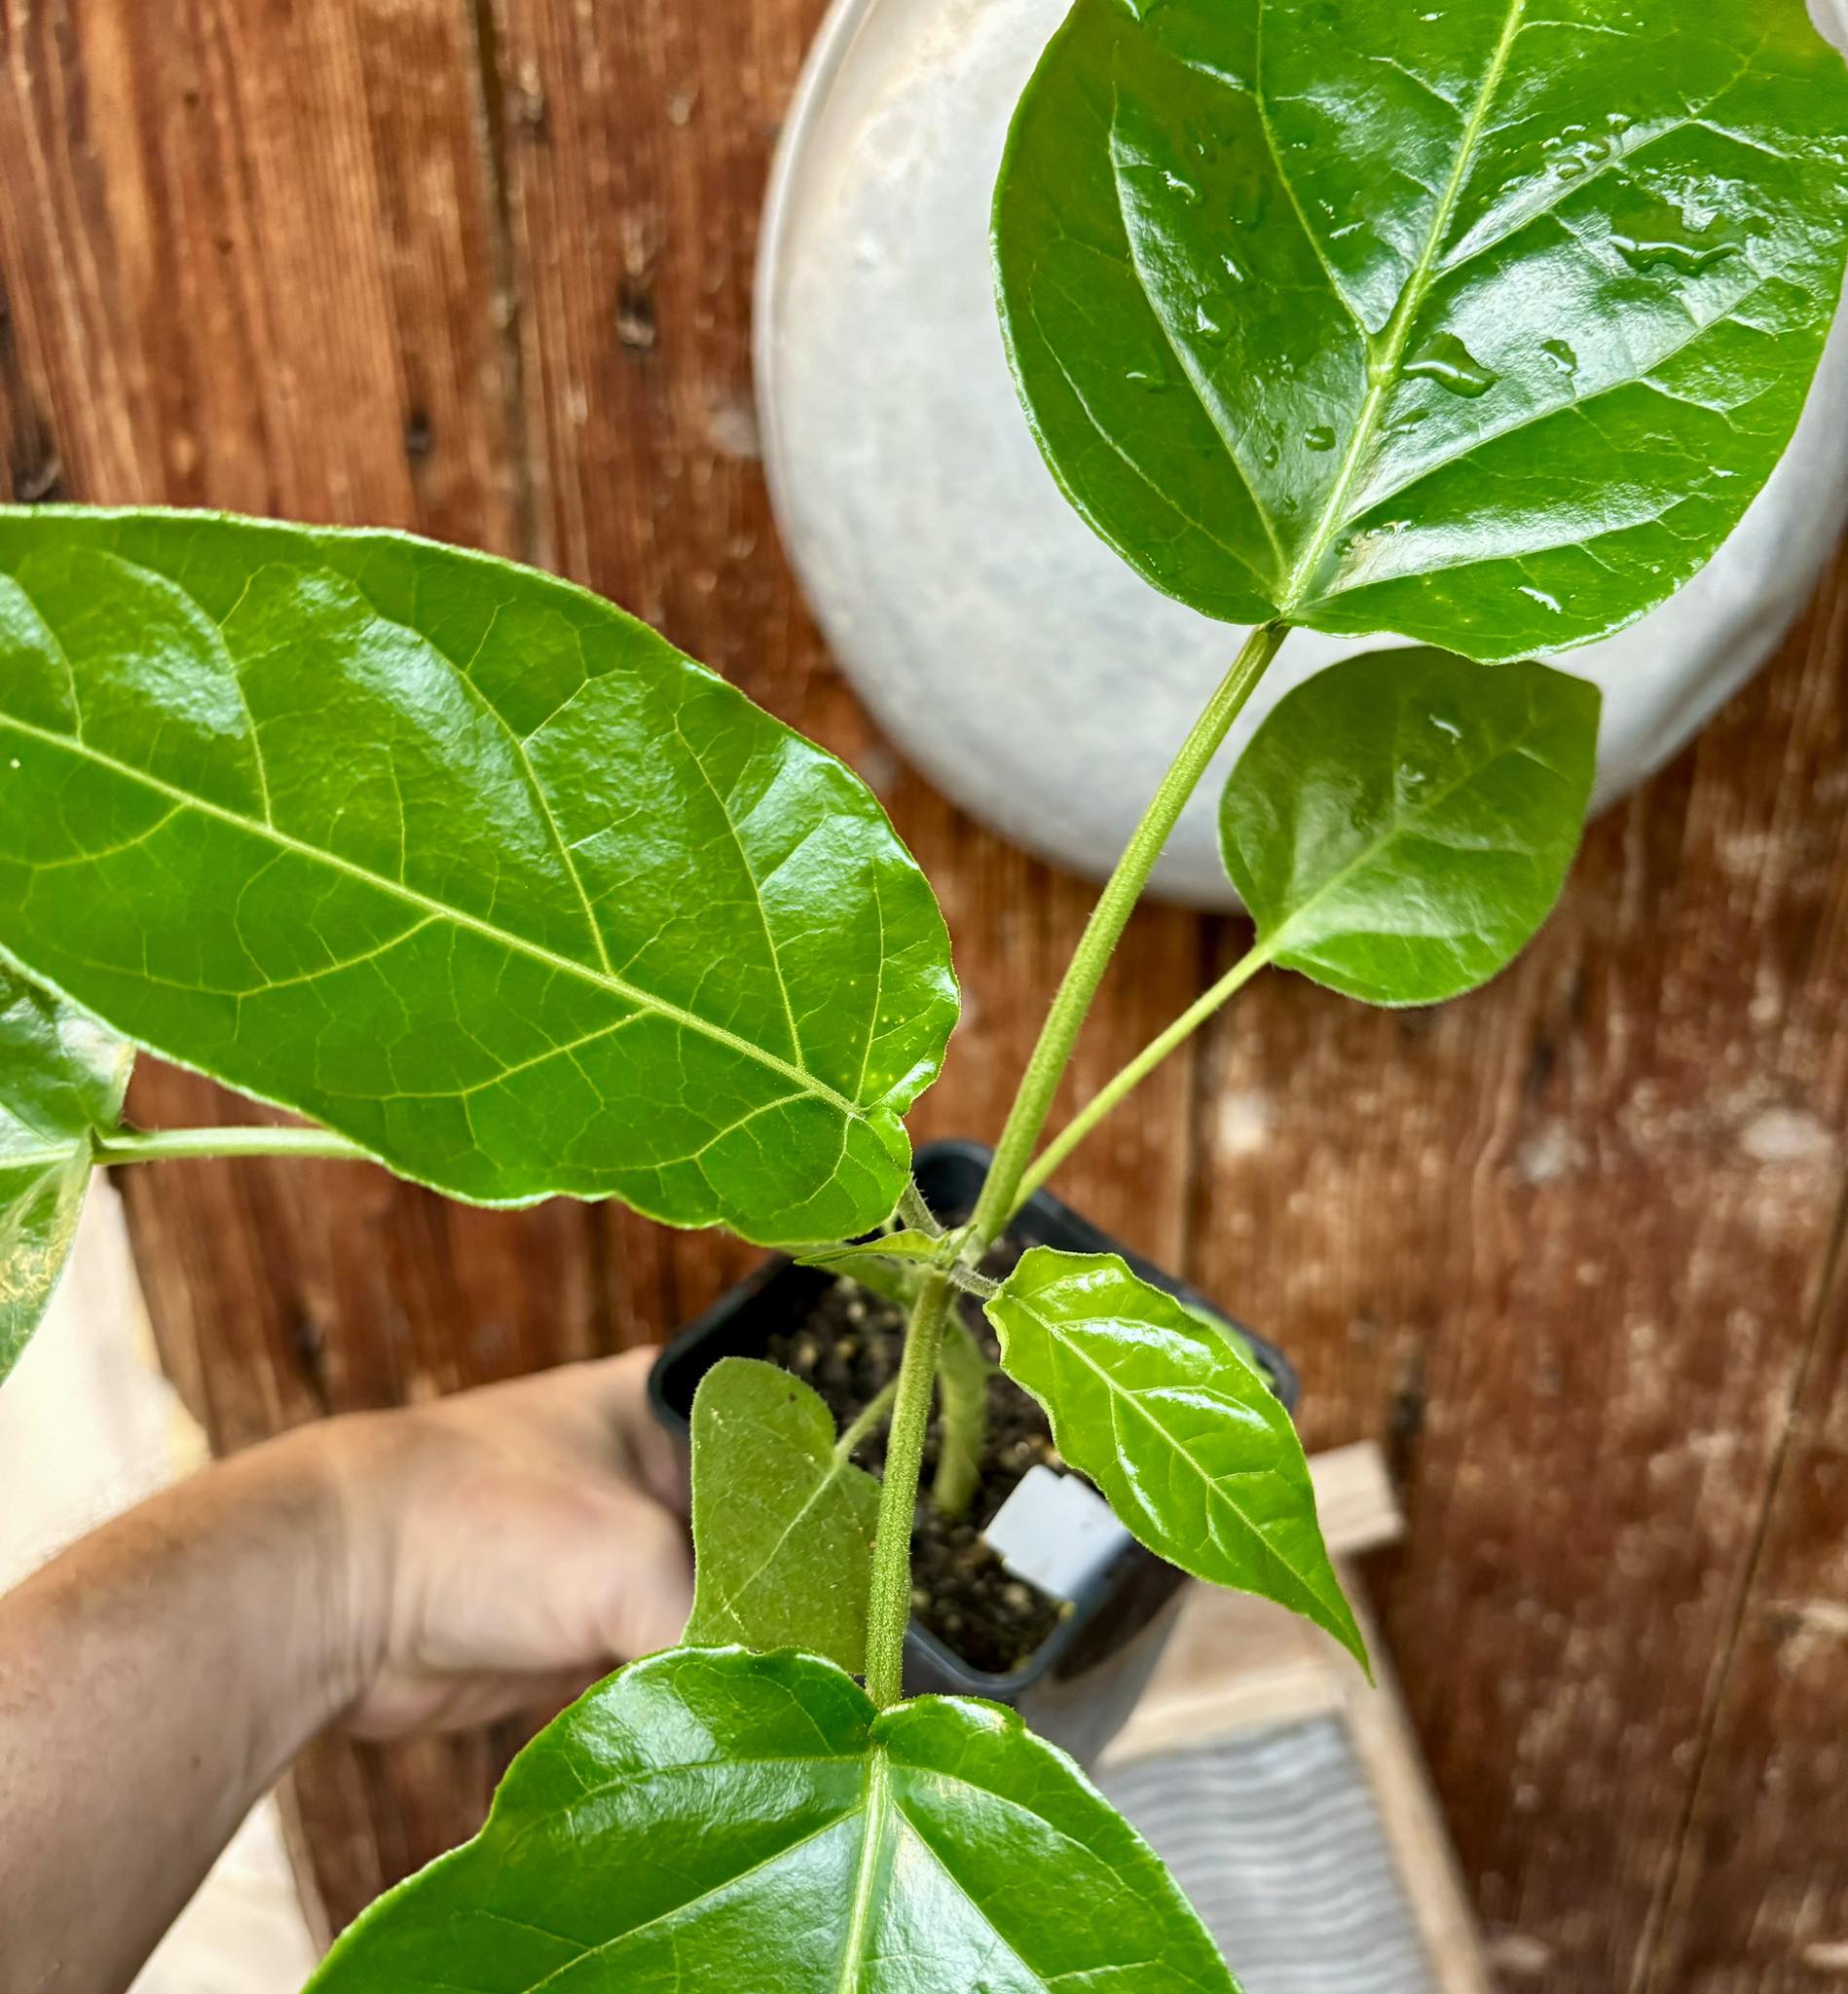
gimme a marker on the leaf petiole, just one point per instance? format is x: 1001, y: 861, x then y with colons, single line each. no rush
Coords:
x: 867, y: 1421
x: 916, y: 1213
x: 1046, y: 1068
x: 1131, y: 1076
x: 176, y: 1145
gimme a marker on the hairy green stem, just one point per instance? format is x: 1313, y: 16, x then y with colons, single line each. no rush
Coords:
x: 889, y: 1603
x: 868, y: 1419
x: 171, y: 1145
x: 1138, y: 1070
x: 1047, y: 1067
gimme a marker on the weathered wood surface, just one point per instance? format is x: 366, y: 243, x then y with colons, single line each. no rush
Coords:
x: 482, y: 267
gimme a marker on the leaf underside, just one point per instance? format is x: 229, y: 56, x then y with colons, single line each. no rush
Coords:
x: 1177, y: 1428
x: 891, y: 1263
x: 711, y: 1818
x: 462, y: 862
x: 783, y: 1529
x: 1401, y: 824
x: 1481, y: 323
x: 62, y: 1077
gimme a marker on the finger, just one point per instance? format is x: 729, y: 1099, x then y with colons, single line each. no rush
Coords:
x: 437, y: 1703
x: 643, y: 1600
x: 656, y: 1458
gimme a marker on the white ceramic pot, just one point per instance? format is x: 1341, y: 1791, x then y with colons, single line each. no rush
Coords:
x: 1004, y: 648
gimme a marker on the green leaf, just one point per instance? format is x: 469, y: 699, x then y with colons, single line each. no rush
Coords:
x: 1179, y: 1430
x: 962, y: 1395
x: 462, y: 862
x: 891, y: 1263
x: 710, y: 1819
x: 1481, y: 323
x: 783, y: 1522
x: 1402, y: 824
x: 61, y: 1077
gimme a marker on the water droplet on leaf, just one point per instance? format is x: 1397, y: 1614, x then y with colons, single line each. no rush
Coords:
x: 1321, y: 437
x: 1176, y: 185
x: 1540, y: 595
x: 1445, y: 359
x: 1660, y: 236
x: 1558, y: 351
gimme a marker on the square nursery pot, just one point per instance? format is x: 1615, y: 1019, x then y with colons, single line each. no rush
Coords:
x: 1079, y: 1686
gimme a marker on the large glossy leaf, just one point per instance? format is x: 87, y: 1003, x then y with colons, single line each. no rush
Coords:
x: 61, y: 1080
x: 1174, y: 1424
x: 465, y: 864
x: 1481, y: 322
x: 713, y: 1819
x: 782, y: 1521
x: 1401, y: 824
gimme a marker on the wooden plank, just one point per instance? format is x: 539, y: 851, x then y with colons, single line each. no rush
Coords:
x: 247, y: 260
x: 1758, y: 1899
x: 1758, y: 1903
x: 1559, y: 1246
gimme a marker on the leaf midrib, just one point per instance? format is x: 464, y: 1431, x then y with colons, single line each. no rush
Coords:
x: 876, y: 1809
x: 1275, y: 943
x: 833, y: 1472
x: 1212, y: 1483
x: 43, y: 1159
x: 615, y: 985
x: 1384, y: 365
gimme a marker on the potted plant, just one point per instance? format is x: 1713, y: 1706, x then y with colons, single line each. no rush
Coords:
x: 1069, y: 1638
x: 1478, y: 326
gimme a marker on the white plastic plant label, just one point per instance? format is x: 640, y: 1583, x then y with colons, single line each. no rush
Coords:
x: 1056, y: 1532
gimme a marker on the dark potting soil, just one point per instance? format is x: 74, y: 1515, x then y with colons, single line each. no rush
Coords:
x: 849, y: 1349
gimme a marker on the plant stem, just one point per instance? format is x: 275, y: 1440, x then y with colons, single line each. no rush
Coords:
x: 1138, y: 1070
x: 168, y: 1145
x: 889, y: 1603
x: 868, y: 1419
x: 1104, y: 930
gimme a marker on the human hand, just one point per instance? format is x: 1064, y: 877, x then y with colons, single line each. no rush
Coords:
x: 503, y: 1548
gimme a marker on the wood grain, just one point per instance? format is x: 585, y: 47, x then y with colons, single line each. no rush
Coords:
x: 248, y: 254
x: 1562, y: 1245
x: 482, y: 267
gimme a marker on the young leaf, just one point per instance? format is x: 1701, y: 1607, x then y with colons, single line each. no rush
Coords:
x: 962, y: 1394
x: 1177, y: 1428
x: 783, y: 1522
x: 1401, y: 824
x: 711, y: 1818
x: 890, y: 1264
x: 462, y: 862
x: 61, y: 1077
x: 1480, y: 323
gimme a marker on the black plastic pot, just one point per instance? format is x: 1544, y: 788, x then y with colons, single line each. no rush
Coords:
x: 1083, y: 1680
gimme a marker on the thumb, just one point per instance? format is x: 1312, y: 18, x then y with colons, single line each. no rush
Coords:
x: 644, y: 1593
